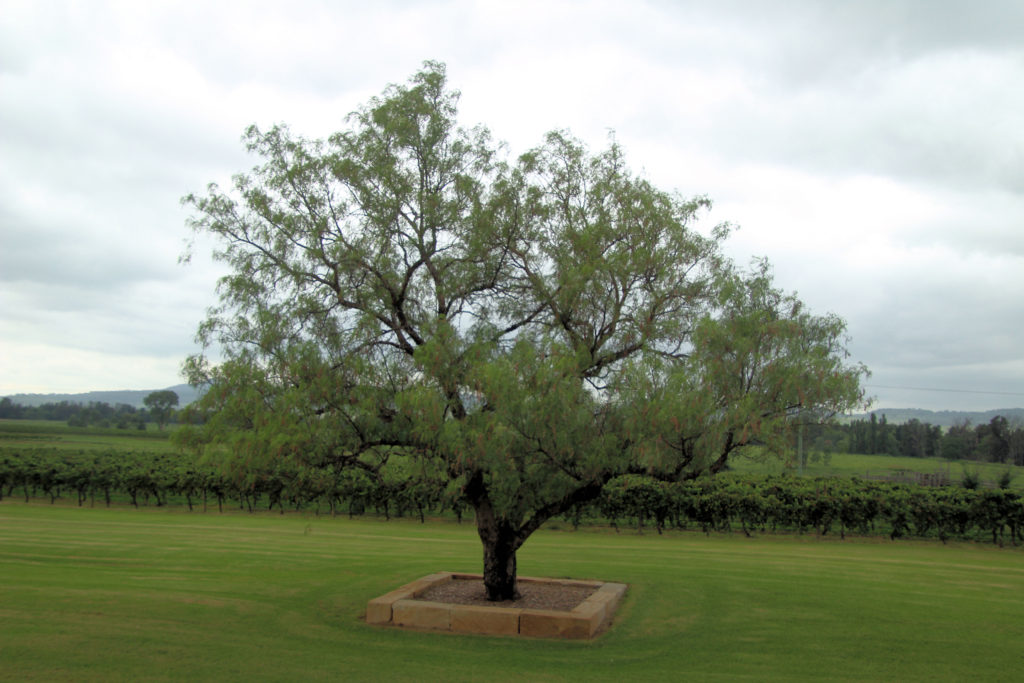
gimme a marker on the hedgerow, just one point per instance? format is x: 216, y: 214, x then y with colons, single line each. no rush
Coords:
x: 722, y: 503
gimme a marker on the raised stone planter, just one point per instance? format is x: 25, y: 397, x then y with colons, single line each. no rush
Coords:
x: 401, y: 608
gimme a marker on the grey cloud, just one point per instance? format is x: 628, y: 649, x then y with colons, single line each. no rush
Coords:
x: 966, y: 387
x: 812, y: 42
x: 922, y: 90
x: 942, y: 329
x: 111, y: 113
x: 904, y: 122
x: 137, y: 318
x: 975, y: 222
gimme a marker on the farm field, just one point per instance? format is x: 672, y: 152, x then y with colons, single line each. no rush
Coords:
x: 53, y: 434
x: 854, y: 465
x: 50, y: 434
x: 162, y: 594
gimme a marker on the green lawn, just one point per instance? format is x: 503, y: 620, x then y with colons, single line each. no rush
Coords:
x: 161, y: 594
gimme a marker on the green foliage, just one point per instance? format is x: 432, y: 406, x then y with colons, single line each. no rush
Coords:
x: 970, y: 479
x: 998, y: 441
x: 161, y: 405
x: 528, y: 329
x: 724, y: 503
x: 760, y: 367
x: 96, y: 413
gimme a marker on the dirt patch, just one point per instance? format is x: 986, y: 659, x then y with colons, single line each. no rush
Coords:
x: 532, y: 595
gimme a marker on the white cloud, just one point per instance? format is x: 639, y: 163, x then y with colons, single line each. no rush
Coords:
x: 29, y: 368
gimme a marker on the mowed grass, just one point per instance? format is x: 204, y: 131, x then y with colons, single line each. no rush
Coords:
x: 162, y: 594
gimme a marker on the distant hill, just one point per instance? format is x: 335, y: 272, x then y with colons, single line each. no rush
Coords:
x: 186, y: 394
x: 941, y: 418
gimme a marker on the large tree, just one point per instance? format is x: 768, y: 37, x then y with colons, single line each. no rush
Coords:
x: 525, y: 329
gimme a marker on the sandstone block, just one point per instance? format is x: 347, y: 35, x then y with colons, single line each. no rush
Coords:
x: 488, y: 620
x: 422, y: 614
x: 401, y: 608
x: 552, y: 624
x: 378, y: 610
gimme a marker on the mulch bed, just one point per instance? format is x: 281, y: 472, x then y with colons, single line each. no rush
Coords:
x: 532, y: 595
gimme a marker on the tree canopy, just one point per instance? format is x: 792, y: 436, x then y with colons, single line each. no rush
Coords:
x: 524, y: 329
x: 161, y: 405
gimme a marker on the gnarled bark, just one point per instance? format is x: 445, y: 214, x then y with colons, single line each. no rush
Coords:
x: 500, y: 545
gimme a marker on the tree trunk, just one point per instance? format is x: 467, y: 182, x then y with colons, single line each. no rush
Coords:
x: 502, y: 537
x: 500, y: 544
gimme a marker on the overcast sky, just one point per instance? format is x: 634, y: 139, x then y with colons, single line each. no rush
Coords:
x: 873, y: 151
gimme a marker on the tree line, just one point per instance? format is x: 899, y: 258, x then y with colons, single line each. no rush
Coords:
x: 998, y: 441
x: 159, y: 409
x: 723, y: 503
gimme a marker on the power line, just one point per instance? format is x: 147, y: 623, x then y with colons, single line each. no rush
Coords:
x: 946, y: 391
